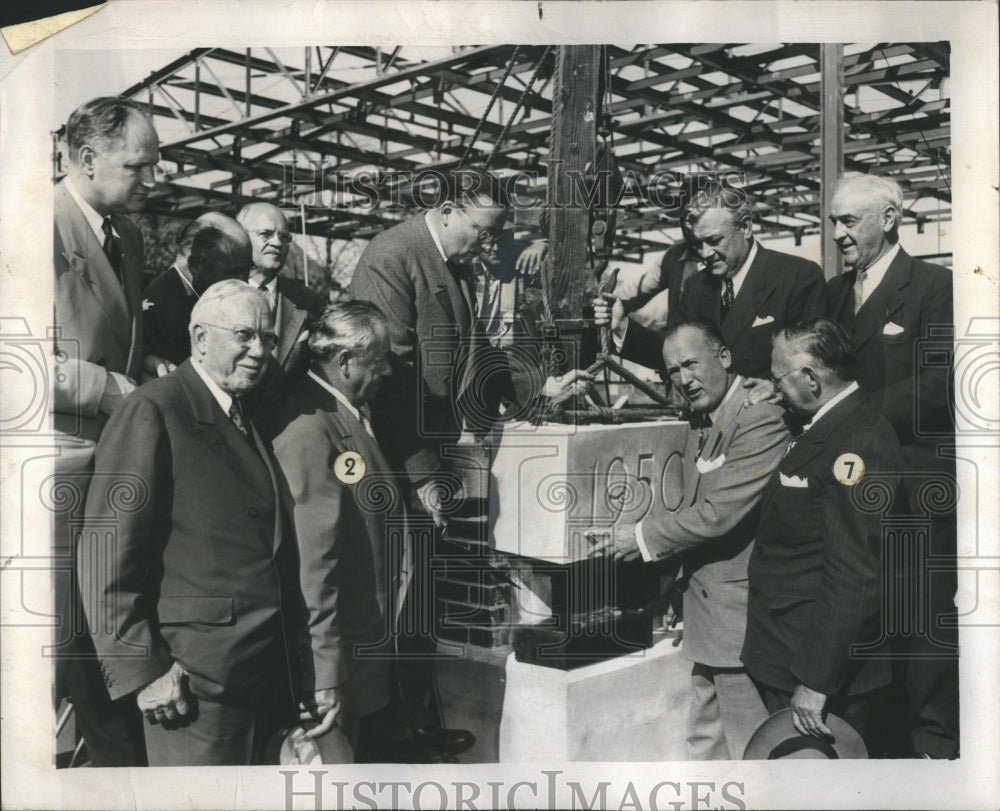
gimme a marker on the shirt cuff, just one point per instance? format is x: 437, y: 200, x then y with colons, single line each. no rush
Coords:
x: 642, y: 544
x: 617, y: 342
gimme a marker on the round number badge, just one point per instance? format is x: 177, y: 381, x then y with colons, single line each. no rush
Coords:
x: 848, y: 468
x: 349, y: 467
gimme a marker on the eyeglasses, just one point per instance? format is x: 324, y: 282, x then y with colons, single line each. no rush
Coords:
x: 777, y: 380
x: 284, y: 237
x: 484, y: 235
x: 245, y: 336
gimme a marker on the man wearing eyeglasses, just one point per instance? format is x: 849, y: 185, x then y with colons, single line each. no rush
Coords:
x: 192, y: 603
x: 292, y: 303
x: 418, y: 274
x: 816, y: 574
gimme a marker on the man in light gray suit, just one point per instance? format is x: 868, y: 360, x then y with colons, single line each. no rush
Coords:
x: 731, y: 451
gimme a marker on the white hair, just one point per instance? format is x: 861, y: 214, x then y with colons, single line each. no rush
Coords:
x: 220, y: 297
x: 880, y: 190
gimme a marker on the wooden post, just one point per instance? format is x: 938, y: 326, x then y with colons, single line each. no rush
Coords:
x: 574, y: 145
x: 831, y: 144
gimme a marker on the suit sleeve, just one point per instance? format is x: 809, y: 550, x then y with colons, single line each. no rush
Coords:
x: 120, y: 568
x: 306, y: 455
x: 846, y: 610
x: 381, y: 278
x: 727, y: 494
x: 642, y: 345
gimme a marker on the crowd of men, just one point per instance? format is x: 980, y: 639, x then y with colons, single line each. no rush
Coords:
x: 273, y: 471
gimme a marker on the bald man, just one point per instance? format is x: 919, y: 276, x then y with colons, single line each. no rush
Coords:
x: 211, y: 248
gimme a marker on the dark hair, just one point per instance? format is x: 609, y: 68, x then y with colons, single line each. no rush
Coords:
x: 100, y: 121
x: 718, y: 194
x: 471, y: 184
x: 353, y: 325
x: 707, y: 328
x: 826, y: 342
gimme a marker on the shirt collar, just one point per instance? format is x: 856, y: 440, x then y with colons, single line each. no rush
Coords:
x: 877, y: 271
x: 341, y: 397
x: 189, y: 289
x: 271, y: 287
x: 435, y: 237
x: 94, y: 220
x: 741, y: 274
x: 737, y: 382
x: 224, y: 400
x: 830, y: 404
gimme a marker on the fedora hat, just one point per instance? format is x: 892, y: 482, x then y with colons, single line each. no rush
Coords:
x: 778, y: 739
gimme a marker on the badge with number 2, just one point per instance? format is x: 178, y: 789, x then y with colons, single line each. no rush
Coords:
x: 349, y: 467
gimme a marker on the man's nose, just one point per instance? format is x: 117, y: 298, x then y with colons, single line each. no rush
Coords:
x: 685, y: 377
x: 147, y: 176
x: 839, y: 230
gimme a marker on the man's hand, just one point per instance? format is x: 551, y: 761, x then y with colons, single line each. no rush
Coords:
x: 155, y: 366
x: 116, y: 388
x: 807, y: 713
x: 619, y: 541
x: 166, y: 698
x: 432, y: 496
x: 609, y: 310
x: 323, y: 706
x: 531, y: 258
x: 562, y: 387
x: 759, y: 390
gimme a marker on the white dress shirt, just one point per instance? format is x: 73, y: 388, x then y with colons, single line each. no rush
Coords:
x: 871, y: 277
x: 342, y: 399
x: 94, y: 220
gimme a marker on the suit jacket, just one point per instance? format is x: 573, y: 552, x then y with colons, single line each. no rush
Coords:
x: 167, y: 304
x: 913, y: 297
x: 715, y: 524
x: 343, y: 546
x: 778, y: 291
x: 202, y: 566
x: 98, y: 320
x: 816, y: 578
x: 435, y: 337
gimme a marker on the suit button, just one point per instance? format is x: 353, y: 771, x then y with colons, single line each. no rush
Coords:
x: 252, y: 512
x: 704, y: 593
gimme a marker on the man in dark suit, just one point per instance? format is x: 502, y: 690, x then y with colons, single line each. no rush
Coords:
x: 211, y: 248
x: 293, y: 304
x: 112, y: 150
x: 732, y: 449
x: 898, y: 312
x: 338, y: 477
x: 749, y: 291
x: 816, y: 575
x: 192, y: 601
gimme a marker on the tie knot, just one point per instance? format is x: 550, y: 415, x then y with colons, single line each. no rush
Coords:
x: 106, y: 227
x: 701, y: 420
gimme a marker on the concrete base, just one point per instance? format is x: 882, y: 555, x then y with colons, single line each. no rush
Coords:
x: 631, y: 708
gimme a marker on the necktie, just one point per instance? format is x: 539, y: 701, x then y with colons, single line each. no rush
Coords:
x: 703, y: 422
x: 111, y: 249
x: 236, y: 415
x: 364, y: 414
x: 727, y: 296
x: 859, y: 289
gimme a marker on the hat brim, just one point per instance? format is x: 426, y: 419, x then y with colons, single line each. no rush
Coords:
x: 777, y: 739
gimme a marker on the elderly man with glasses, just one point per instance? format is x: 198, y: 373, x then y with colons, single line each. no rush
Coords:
x: 187, y: 559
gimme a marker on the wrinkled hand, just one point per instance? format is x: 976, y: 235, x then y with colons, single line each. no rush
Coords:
x: 531, y: 258
x: 562, y: 387
x: 156, y: 366
x: 759, y: 390
x: 323, y: 706
x: 807, y: 713
x: 608, y: 310
x: 618, y: 541
x: 166, y: 698
x: 116, y: 388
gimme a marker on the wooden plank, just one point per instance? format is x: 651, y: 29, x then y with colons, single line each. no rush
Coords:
x: 831, y: 146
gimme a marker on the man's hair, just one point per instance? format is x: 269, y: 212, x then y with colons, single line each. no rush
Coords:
x: 707, y: 328
x: 472, y: 185
x: 101, y: 121
x: 880, y: 190
x: 214, y: 300
x: 826, y: 342
x: 355, y: 326
x: 205, y: 233
x: 719, y: 194
x: 244, y: 213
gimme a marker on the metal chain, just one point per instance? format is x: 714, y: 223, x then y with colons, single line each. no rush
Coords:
x: 489, y: 107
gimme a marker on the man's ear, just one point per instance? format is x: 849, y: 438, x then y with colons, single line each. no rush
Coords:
x: 344, y: 363
x: 726, y: 356
x: 198, y: 337
x: 85, y: 157
x: 447, y: 209
x: 746, y: 226
x: 813, y: 379
x: 890, y: 219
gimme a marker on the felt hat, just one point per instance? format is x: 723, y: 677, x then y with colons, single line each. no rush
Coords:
x: 778, y: 739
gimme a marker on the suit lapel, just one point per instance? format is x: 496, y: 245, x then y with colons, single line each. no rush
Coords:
x: 754, y: 291
x: 290, y: 320
x: 706, y: 296
x: 85, y: 257
x: 884, y: 300
x: 812, y: 442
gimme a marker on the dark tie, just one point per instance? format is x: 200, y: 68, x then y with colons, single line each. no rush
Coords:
x: 703, y: 424
x: 111, y: 249
x: 236, y: 415
x: 727, y: 296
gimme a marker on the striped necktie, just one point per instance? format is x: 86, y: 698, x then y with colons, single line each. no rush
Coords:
x: 112, y: 249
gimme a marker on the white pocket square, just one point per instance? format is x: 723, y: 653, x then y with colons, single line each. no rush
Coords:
x: 705, y: 465
x: 760, y: 321
x: 892, y: 328
x: 792, y: 481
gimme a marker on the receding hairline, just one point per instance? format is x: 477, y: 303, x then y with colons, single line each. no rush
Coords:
x: 250, y: 209
x: 883, y: 190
